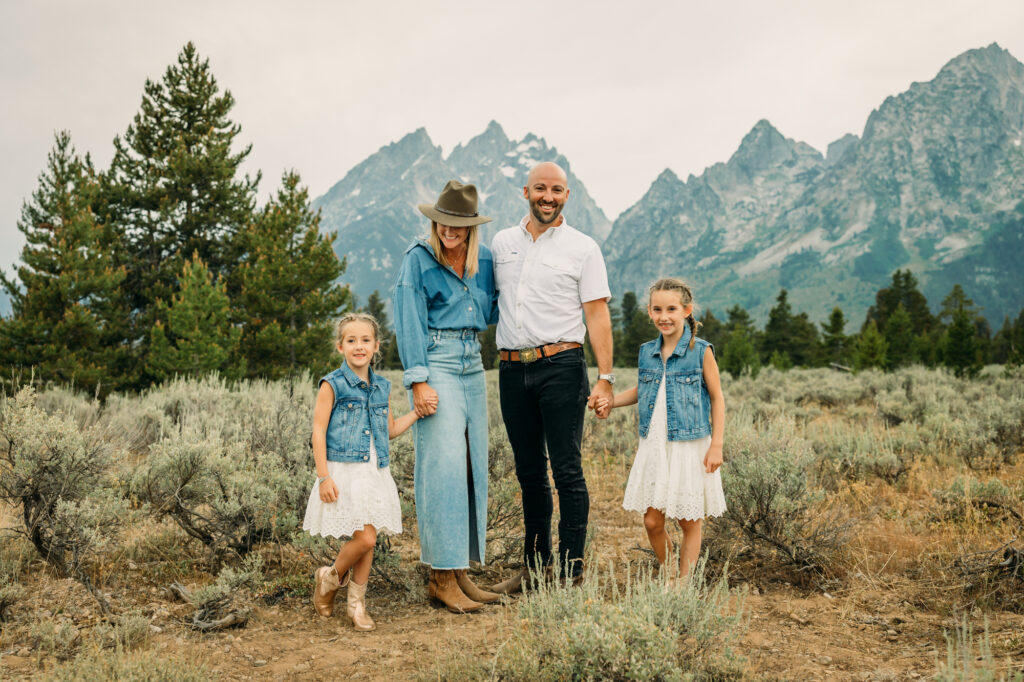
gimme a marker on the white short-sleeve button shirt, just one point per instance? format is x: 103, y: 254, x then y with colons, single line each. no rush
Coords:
x: 543, y: 284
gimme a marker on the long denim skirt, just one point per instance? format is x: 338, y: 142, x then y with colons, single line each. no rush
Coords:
x: 451, y: 454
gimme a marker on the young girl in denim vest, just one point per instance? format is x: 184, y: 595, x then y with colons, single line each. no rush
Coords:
x: 682, y: 417
x: 354, y: 494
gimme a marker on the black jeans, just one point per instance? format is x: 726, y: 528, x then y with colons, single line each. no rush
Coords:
x: 542, y: 404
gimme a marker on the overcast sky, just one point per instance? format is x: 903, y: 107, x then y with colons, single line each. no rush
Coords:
x: 623, y: 93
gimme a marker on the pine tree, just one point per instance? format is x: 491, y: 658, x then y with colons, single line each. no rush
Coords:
x: 902, y: 291
x: 834, y: 342
x: 375, y: 307
x: 287, y: 292
x: 804, y: 348
x: 172, y: 188
x: 712, y: 329
x: 68, y: 316
x: 739, y: 354
x: 899, y: 339
x: 778, y: 333
x: 960, y: 345
x: 636, y: 330
x: 870, y: 348
x: 198, y: 337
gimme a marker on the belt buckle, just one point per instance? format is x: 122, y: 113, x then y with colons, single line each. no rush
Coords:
x: 528, y: 355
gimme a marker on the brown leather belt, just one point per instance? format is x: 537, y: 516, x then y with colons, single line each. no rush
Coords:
x: 531, y: 354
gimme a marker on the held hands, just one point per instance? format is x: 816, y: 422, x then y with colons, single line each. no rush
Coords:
x: 601, y: 400
x: 328, y: 491
x: 424, y: 399
x: 713, y: 459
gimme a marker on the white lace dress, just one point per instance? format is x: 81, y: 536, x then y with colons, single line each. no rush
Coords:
x: 367, y: 495
x: 669, y: 475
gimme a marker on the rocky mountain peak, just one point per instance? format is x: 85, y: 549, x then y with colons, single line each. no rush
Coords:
x: 764, y: 147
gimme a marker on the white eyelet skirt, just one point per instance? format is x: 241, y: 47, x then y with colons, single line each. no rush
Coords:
x: 367, y: 495
x: 669, y: 475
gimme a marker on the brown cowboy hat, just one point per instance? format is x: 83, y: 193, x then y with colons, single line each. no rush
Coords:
x: 456, y: 207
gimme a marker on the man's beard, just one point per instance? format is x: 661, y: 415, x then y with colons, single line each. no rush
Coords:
x: 535, y: 211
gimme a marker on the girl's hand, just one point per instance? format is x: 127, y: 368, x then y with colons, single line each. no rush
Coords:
x: 602, y: 406
x: 328, y: 491
x: 713, y: 459
x: 424, y: 399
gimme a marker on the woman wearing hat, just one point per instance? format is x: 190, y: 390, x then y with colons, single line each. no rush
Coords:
x: 443, y: 298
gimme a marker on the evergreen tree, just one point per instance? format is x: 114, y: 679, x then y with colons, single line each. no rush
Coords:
x: 68, y: 316
x: 960, y: 345
x: 739, y: 354
x: 870, y: 348
x: 899, y: 339
x: 834, y: 342
x: 713, y: 330
x: 172, y: 188
x: 375, y: 306
x: 902, y: 291
x: 778, y: 333
x: 1008, y: 344
x: 804, y: 348
x: 198, y: 337
x: 287, y: 296
x: 636, y: 330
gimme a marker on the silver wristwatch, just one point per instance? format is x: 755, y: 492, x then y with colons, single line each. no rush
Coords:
x: 610, y: 378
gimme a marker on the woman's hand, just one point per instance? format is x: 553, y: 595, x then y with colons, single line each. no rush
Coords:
x: 424, y: 399
x: 328, y: 491
x: 713, y: 459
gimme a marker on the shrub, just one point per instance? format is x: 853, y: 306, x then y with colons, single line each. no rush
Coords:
x: 640, y: 630
x: 10, y: 592
x: 60, y: 478
x: 853, y: 453
x: 969, y: 659
x: 120, y: 665
x: 232, y: 466
x: 770, y: 502
x: 215, y: 602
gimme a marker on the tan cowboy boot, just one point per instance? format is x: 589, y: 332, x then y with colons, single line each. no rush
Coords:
x: 444, y: 588
x: 327, y: 585
x: 472, y: 591
x: 357, y: 607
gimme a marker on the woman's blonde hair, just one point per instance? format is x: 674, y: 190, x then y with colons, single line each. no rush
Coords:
x: 348, y: 318
x: 685, y: 295
x: 472, y: 248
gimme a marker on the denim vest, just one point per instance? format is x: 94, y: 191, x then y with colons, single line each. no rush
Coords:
x: 360, y: 409
x: 687, y: 402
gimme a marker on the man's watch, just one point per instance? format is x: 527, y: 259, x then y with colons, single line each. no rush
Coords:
x: 610, y: 378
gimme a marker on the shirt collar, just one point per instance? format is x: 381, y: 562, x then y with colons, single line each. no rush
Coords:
x: 682, y: 345
x: 551, y: 230
x: 353, y: 380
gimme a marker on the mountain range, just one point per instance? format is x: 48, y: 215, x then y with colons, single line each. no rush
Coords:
x: 934, y: 183
x: 373, y: 208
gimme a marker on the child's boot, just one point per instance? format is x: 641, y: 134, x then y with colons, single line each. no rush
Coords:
x: 328, y: 582
x: 472, y: 591
x: 357, y: 607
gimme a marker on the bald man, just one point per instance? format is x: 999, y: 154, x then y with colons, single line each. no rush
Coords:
x: 549, y: 277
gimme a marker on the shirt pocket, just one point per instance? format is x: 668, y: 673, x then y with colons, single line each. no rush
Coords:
x: 506, y: 266
x: 647, y: 389
x: 686, y: 388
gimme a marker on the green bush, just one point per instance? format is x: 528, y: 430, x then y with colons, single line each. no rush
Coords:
x: 60, y: 477
x: 124, y: 666
x: 771, y: 505
x: 639, y: 630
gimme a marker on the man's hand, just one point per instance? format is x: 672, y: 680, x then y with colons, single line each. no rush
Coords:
x: 601, y: 399
x: 424, y: 399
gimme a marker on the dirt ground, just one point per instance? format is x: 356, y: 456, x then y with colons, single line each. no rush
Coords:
x: 865, y: 630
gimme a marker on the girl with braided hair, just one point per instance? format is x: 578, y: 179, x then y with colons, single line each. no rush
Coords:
x: 682, y: 418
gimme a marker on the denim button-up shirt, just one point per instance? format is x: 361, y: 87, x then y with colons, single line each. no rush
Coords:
x: 687, y: 402
x: 429, y: 295
x: 360, y: 411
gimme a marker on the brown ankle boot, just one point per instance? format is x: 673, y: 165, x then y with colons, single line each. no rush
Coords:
x: 327, y: 584
x: 444, y: 588
x: 521, y: 580
x: 472, y: 591
x: 357, y: 607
